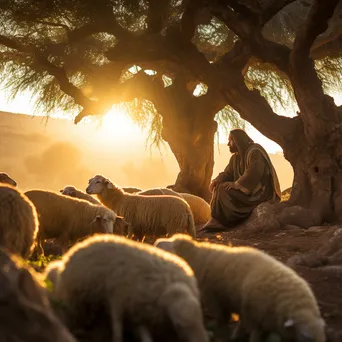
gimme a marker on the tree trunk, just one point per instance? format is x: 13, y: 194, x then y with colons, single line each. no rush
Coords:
x: 192, y: 143
x: 317, y: 183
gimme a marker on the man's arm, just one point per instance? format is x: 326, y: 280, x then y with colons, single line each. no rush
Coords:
x: 253, y: 173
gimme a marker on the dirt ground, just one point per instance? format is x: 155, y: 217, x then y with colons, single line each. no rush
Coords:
x: 327, y: 286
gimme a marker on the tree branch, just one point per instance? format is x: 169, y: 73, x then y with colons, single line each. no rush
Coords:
x: 306, y: 84
x: 42, y: 62
x: 271, y: 9
x: 157, y: 15
x: 189, y: 18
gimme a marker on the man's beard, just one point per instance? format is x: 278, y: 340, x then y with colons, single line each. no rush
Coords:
x: 233, y: 149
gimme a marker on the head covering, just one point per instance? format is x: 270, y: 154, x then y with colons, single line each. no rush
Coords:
x: 241, y: 140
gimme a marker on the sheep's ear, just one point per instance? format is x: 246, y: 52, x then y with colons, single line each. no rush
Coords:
x: 61, y: 191
x: 108, y: 184
x: 164, y: 244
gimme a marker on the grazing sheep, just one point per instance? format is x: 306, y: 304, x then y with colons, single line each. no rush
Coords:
x: 67, y: 219
x: 158, y: 192
x: 25, y: 313
x: 73, y: 192
x: 147, y: 215
x: 199, y: 207
x: 130, y: 282
x: 6, y: 179
x: 268, y: 296
x: 131, y: 190
x: 18, y: 221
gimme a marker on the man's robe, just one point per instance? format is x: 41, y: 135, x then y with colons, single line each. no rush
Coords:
x: 257, y: 181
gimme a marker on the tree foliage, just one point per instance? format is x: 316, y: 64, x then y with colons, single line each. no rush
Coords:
x: 76, y: 55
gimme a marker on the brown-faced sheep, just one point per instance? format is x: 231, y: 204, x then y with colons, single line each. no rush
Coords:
x: 65, y: 218
x: 147, y: 215
x: 18, y: 221
x: 25, y: 313
x: 131, y: 190
x: 199, y: 207
x: 76, y: 193
x: 6, y: 179
x: 159, y: 191
x: 268, y: 296
x: 131, y: 282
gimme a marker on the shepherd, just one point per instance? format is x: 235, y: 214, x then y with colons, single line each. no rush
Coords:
x: 248, y: 180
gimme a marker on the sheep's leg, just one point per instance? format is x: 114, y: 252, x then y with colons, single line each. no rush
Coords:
x: 185, y: 313
x: 144, y: 334
x: 64, y: 245
x: 117, y: 328
x: 39, y: 244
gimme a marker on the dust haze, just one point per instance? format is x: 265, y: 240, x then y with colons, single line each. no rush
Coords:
x: 56, y: 153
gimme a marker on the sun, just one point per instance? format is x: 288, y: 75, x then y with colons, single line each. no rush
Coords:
x: 117, y: 127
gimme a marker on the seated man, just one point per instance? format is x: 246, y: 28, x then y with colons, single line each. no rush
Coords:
x: 248, y: 180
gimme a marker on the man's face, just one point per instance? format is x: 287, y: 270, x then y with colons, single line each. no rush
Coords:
x: 231, y: 145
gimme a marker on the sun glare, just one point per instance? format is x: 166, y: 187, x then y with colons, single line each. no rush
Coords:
x: 116, y: 126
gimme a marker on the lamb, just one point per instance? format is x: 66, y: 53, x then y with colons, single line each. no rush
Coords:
x: 25, y: 313
x: 159, y: 191
x: 73, y: 192
x: 267, y: 295
x: 6, y: 179
x: 67, y: 219
x: 147, y: 215
x: 131, y: 190
x: 18, y: 221
x: 131, y: 283
x: 199, y: 207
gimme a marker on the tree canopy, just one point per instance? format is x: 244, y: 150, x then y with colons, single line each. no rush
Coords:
x: 84, y: 56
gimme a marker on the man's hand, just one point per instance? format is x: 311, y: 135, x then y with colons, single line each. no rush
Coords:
x: 212, y: 185
x: 231, y: 185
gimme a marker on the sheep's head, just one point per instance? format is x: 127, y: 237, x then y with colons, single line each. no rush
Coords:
x: 5, y: 178
x: 171, y: 244
x: 69, y: 191
x: 304, y: 326
x: 110, y: 224
x: 98, y: 184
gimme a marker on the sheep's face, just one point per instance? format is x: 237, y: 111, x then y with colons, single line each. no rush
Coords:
x: 305, y: 328
x: 103, y: 224
x: 98, y: 184
x: 69, y: 191
x: 5, y: 178
x: 165, y: 244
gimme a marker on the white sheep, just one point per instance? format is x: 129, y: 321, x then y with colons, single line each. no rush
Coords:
x: 6, y: 179
x: 18, y: 221
x: 68, y: 219
x: 267, y: 295
x: 199, y: 207
x: 76, y: 193
x: 147, y: 215
x: 131, y: 189
x: 132, y: 283
x: 25, y: 312
x: 159, y: 191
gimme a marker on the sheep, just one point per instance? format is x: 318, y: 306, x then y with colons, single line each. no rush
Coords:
x: 267, y: 295
x: 25, y: 313
x: 159, y: 191
x: 52, y: 271
x: 67, y: 219
x: 73, y: 192
x: 199, y: 207
x: 131, y: 190
x: 133, y: 283
x: 18, y: 221
x: 147, y: 215
x: 6, y: 179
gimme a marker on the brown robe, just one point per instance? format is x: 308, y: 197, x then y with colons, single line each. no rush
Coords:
x: 257, y: 181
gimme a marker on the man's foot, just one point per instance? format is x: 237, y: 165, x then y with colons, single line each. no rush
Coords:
x: 212, y: 225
